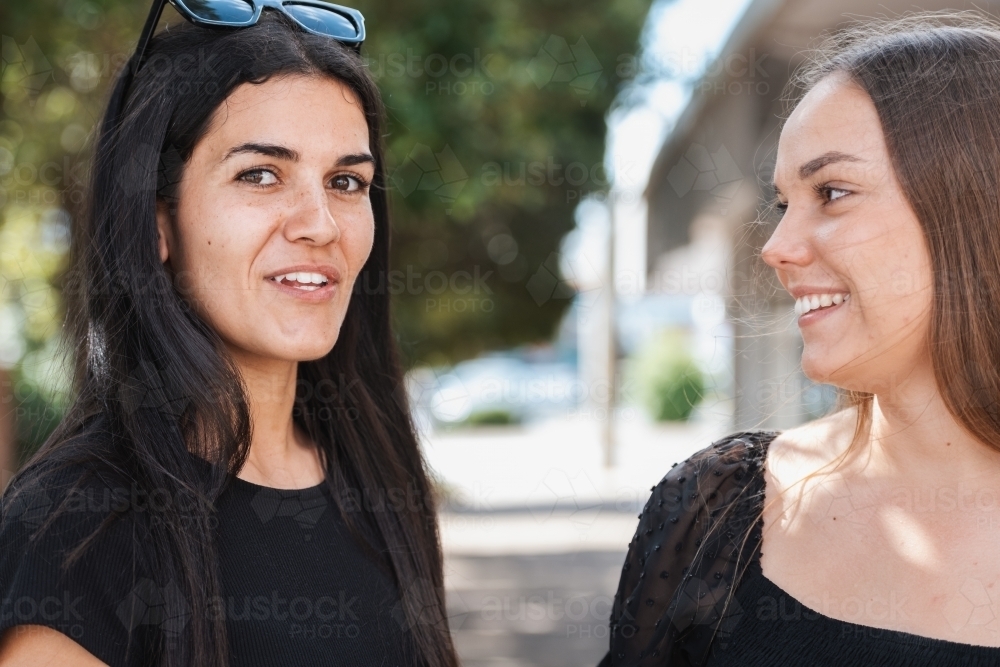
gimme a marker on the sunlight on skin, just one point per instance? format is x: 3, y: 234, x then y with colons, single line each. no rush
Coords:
x: 912, y: 539
x: 41, y: 646
x: 839, y: 521
x: 859, y: 236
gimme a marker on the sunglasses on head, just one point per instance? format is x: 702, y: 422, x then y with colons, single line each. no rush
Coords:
x: 344, y: 24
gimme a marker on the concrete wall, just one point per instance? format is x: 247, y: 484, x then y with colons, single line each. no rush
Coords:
x: 723, y: 167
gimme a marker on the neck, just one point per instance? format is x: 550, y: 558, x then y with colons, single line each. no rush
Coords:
x: 280, y: 453
x: 914, y: 437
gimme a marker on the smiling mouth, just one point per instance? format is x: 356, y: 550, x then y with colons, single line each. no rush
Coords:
x: 307, y: 282
x: 813, y: 302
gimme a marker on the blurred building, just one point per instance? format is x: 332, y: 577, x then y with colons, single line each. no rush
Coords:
x: 710, y: 180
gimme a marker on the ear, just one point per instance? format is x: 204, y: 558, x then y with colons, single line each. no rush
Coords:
x: 164, y: 230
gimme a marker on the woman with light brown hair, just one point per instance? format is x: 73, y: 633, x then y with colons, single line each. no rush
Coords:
x: 868, y: 537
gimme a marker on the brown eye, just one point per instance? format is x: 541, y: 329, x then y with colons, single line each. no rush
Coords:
x: 261, y: 177
x: 839, y: 193
x: 346, y: 183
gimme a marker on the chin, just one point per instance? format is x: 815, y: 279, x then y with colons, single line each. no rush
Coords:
x: 817, y: 368
x: 312, y: 352
x: 294, y: 350
x: 843, y: 375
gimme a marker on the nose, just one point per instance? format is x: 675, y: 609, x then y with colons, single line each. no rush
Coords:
x: 787, y: 247
x: 313, y: 219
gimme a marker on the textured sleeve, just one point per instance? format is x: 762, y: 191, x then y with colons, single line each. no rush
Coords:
x: 83, y: 599
x: 694, y: 537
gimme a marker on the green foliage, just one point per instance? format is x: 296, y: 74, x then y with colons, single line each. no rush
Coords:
x: 519, y: 139
x: 496, y: 130
x: 491, y: 418
x: 669, y: 381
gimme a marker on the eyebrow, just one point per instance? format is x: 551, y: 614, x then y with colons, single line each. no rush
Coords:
x: 285, y: 153
x: 812, y: 166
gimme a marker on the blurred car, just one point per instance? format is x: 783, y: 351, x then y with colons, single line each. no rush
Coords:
x: 499, y: 388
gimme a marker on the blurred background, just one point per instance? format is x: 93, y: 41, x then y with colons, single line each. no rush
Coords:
x: 579, y: 195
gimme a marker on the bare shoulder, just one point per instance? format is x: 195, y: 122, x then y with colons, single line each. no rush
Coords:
x: 40, y: 646
x: 811, y: 446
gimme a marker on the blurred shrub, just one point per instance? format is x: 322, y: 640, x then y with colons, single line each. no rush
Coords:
x: 491, y: 418
x: 669, y: 382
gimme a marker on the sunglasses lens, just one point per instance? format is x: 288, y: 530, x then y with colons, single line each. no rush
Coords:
x: 326, y: 21
x: 223, y: 11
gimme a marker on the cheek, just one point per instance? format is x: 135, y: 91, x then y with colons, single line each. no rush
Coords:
x: 891, y: 273
x: 215, y: 254
x: 357, y: 240
x: 217, y: 259
x: 904, y: 272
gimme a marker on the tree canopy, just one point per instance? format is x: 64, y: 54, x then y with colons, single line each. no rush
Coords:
x: 496, y: 126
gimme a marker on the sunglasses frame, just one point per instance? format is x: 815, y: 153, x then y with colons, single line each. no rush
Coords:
x: 156, y: 11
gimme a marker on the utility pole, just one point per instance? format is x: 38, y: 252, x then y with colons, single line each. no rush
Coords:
x: 610, y: 301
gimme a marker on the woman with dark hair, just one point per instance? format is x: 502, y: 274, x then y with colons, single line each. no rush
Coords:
x: 237, y: 481
x: 868, y: 537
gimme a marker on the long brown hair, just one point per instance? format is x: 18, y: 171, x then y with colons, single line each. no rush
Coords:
x: 934, y: 79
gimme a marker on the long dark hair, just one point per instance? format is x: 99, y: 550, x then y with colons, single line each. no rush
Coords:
x: 153, y: 384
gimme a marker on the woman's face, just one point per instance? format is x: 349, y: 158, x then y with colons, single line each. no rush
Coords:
x: 849, y: 233
x: 273, y: 219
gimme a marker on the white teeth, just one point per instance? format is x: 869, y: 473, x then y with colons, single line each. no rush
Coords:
x: 303, y: 278
x: 814, y: 301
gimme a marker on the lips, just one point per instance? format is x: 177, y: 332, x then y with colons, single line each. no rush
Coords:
x: 308, y: 282
x: 302, y: 280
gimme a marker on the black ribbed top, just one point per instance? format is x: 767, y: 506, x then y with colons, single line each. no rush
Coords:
x: 777, y: 629
x: 297, y: 589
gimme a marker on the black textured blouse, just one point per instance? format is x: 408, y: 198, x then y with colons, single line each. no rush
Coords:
x: 691, y: 588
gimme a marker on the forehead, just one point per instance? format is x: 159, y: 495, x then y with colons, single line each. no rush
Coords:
x: 835, y: 116
x: 308, y: 113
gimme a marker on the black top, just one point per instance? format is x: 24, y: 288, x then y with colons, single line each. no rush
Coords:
x: 296, y: 587
x: 698, y: 537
